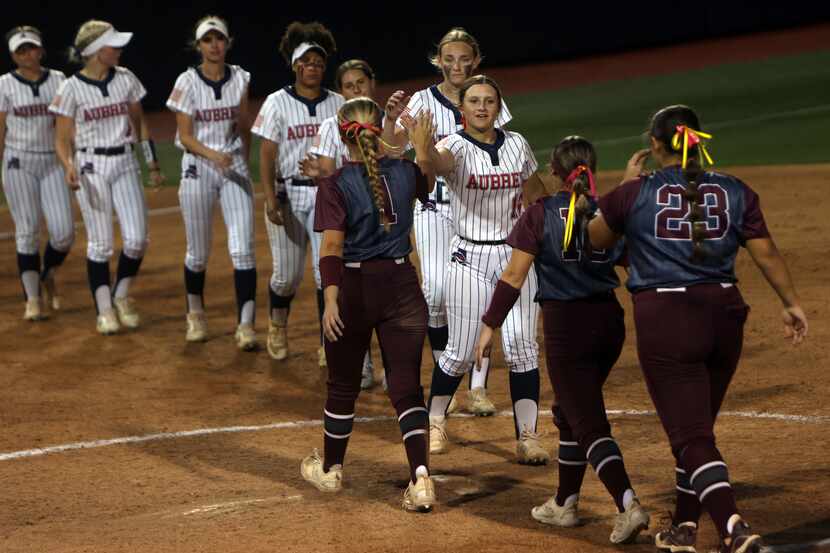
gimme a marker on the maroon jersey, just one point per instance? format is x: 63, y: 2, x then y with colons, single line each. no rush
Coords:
x: 652, y: 213
x: 345, y: 202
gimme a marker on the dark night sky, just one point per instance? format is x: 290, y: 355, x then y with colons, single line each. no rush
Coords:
x: 397, y: 47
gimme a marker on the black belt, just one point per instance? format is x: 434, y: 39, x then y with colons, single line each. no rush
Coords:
x: 484, y: 242
x: 297, y: 182
x: 114, y: 151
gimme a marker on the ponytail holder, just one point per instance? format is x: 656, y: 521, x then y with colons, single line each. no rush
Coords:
x: 571, y: 221
x: 691, y: 137
x: 353, y: 128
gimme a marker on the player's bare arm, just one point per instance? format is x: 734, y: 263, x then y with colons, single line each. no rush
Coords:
x: 636, y: 164
x: 315, y: 166
x: 245, y: 122
x: 769, y: 260
x: 332, y: 245
x: 601, y: 235
x: 422, y: 129
x: 395, y: 106
x: 268, y: 151
x: 184, y: 123
x: 64, y: 131
x: 139, y: 122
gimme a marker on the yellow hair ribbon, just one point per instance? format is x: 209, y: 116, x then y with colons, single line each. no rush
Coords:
x: 691, y: 137
x: 569, y: 223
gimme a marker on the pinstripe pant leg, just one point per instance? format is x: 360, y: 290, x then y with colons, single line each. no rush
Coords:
x: 521, y: 350
x: 198, y: 191
x: 433, y: 234
x: 316, y: 239
x: 22, y: 192
x: 56, y: 205
x: 95, y: 200
x: 131, y: 208
x: 237, y: 202
x: 288, y: 247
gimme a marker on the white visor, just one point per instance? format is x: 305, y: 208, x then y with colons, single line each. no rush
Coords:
x: 305, y: 47
x: 211, y: 24
x: 111, y: 38
x: 24, y: 37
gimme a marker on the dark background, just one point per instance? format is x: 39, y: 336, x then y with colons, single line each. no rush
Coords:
x: 397, y: 44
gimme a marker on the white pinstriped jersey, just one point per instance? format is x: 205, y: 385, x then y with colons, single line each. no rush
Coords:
x: 447, y: 119
x: 212, y: 105
x: 486, y: 183
x: 329, y: 143
x: 30, y: 126
x: 292, y: 122
x: 100, y: 108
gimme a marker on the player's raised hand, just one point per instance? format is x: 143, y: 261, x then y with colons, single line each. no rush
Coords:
x: 483, y: 346
x: 310, y: 166
x: 396, y: 104
x: 332, y: 324
x: 421, y: 129
x: 795, y: 323
x: 636, y: 165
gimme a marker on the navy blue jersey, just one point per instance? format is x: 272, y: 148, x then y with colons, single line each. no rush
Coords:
x: 345, y: 202
x: 652, y: 213
x: 563, y: 275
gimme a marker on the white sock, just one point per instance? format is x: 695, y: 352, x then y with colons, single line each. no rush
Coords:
x: 31, y: 284
x: 478, y: 378
x: 280, y: 315
x: 123, y: 287
x: 421, y: 471
x: 247, y: 315
x: 628, y: 497
x: 195, y: 304
x: 526, y: 412
x: 438, y: 406
x: 733, y: 520
x: 103, y: 299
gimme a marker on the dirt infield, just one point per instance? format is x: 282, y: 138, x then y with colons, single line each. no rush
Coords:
x: 61, y: 383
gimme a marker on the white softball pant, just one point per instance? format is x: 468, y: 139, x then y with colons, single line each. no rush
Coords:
x: 289, y: 241
x: 33, y: 184
x: 471, y: 280
x: 107, y: 183
x: 202, y: 184
x: 433, y: 234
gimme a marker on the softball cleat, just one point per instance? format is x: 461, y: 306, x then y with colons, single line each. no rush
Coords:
x: 107, y: 322
x: 677, y: 539
x: 245, y: 337
x: 277, y: 343
x: 127, y: 314
x: 438, y: 440
x: 420, y: 496
x: 50, y: 294
x: 529, y: 449
x: 196, y: 327
x: 33, y: 311
x: 479, y: 404
x: 629, y: 523
x: 551, y: 513
x: 311, y: 469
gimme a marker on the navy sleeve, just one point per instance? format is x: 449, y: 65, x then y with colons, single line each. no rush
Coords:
x: 616, y: 205
x: 754, y: 225
x: 529, y: 230
x: 330, y: 211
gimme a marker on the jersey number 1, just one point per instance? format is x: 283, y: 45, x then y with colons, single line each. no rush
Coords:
x: 573, y: 253
x: 389, y: 205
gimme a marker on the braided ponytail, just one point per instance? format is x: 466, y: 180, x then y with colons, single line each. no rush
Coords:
x: 369, y: 150
x: 693, y: 174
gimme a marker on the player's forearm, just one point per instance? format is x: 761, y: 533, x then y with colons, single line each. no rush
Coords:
x: 195, y: 147
x: 772, y: 265
x: 268, y: 169
x: 392, y: 134
x: 245, y: 135
x: 63, y: 146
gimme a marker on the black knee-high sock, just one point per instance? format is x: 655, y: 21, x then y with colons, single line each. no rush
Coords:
x: 687, y: 507
x: 441, y: 391
x: 413, y: 420
x: 276, y: 301
x: 98, y: 275
x: 321, y: 305
x: 572, y: 460
x: 438, y: 338
x: 194, y: 285
x: 28, y: 263
x: 52, y: 258
x: 524, y: 388
x: 338, y: 420
x: 709, y: 477
x: 605, y: 456
x: 245, y: 283
x: 127, y: 268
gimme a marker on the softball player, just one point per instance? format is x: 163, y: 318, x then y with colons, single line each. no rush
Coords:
x: 457, y: 57
x: 211, y: 106
x: 353, y: 79
x: 364, y: 212
x: 99, y: 116
x: 288, y: 122
x: 584, y: 334
x: 485, y: 168
x: 683, y: 227
x: 32, y: 177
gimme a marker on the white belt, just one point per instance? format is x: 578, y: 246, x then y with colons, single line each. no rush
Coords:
x: 356, y: 264
x: 683, y: 288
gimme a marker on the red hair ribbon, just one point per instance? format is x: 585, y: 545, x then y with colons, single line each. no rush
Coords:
x: 353, y: 127
x: 578, y: 171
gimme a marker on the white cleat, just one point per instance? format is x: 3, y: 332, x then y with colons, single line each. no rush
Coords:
x: 107, y: 322
x: 551, y: 513
x: 630, y: 523
x: 438, y: 440
x: 479, y: 404
x: 420, y: 496
x: 127, y: 314
x: 50, y: 294
x: 529, y: 449
x: 311, y: 469
x: 277, y: 343
x: 196, y: 327
x: 34, y: 311
x: 245, y: 337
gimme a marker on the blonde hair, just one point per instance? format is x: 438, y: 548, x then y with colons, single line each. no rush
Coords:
x: 456, y: 34
x: 364, y: 111
x: 87, y: 34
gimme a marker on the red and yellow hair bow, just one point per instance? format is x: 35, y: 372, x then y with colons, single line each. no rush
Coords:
x: 687, y: 137
x: 571, y: 221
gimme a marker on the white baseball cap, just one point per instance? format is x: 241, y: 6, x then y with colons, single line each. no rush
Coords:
x: 111, y: 38
x: 305, y: 47
x: 23, y: 37
x: 211, y: 24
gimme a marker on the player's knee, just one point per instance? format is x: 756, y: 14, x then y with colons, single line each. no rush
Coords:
x: 196, y: 264
x: 27, y: 243
x: 62, y: 241
x: 243, y: 260
x: 99, y: 251
x: 135, y: 247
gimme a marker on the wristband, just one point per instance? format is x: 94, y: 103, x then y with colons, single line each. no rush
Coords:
x: 331, y: 271
x: 149, y: 150
x: 503, y: 300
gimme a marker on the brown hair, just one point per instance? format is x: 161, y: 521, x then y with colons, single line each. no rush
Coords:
x: 456, y: 34
x: 366, y: 111
x: 663, y: 127
x: 195, y: 43
x: 348, y: 66
x: 297, y: 33
x: 571, y: 152
x: 474, y: 80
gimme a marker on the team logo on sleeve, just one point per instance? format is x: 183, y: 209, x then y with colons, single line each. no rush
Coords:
x: 459, y: 256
